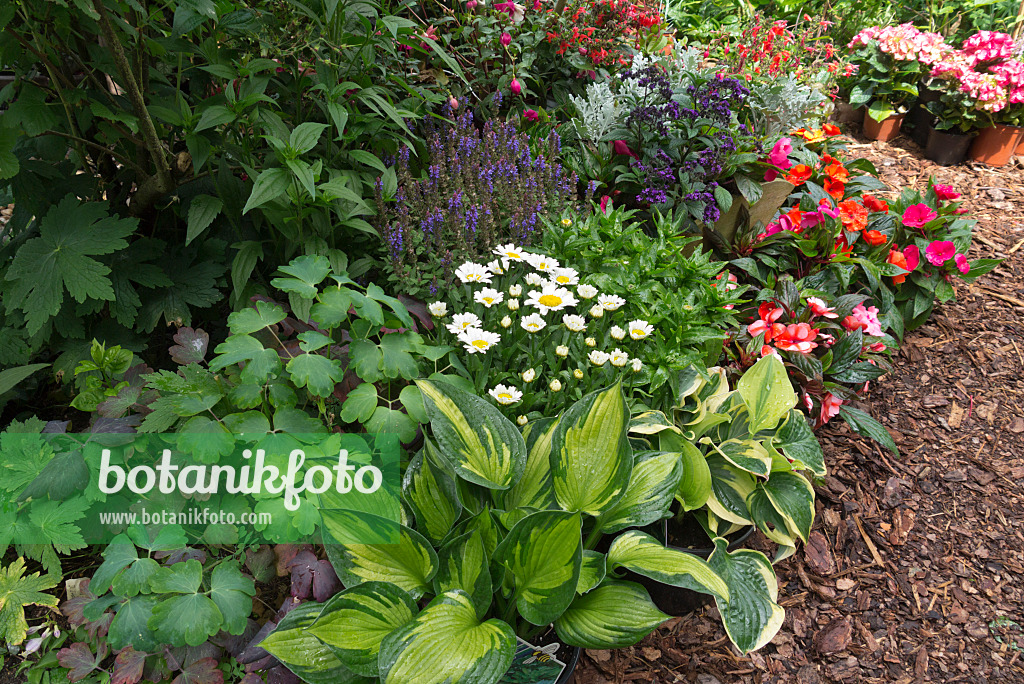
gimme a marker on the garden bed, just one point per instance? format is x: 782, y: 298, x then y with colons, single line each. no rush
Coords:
x: 944, y: 519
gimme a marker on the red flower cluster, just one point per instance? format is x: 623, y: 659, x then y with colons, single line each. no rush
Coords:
x: 796, y: 337
x: 604, y: 30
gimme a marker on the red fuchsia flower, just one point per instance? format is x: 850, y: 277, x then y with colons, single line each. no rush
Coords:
x: 867, y: 319
x: 829, y: 408
x: 962, y: 264
x: 874, y: 204
x: 945, y: 192
x: 797, y: 337
x: 917, y: 215
x: 515, y: 86
x: 506, y: 39
x: 820, y: 308
x: 939, y: 252
x: 875, y: 238
x: 912, y: 257
x: 531, y: 114
x: 620, y: 147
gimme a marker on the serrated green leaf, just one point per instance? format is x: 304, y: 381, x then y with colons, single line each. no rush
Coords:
x: 201, y: 213
x: 317, y: 373
x: 17, y: 591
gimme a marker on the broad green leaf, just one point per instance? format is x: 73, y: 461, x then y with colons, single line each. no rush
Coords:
x: 305, y: 136
x: 463, y: 563
x: 730, y: 488
x: 306, y: 273
x: 481, y: 444
x: 771, y: 523
x: 592, y: 571
x: 751, y: 615
x: 392, y: 421
x: 360, y: 403
x: 12, y: 376
x: 645, y: 555
x: 355, y: 622
x: 410, y: 564
x: 260, y: 362
x: 119, y: 554
x: 651, y: 423
x: 614, y: 615
x: 862, y: 423
x: 590, y: 453
x: 793, y: 497
x: 201, y: 213
x: 317, y: 373
x: 134, y: 580
x: 534, y: 488
x: 432, y: 496
x: 797, y: 441
x: 449, y: 642
x: 232, y: 592
x: 250, y: 319
x: 304, y: 654
x: 745, y: 454
x: 543, y: 552
x: 189, y: 616
x: 767, y: 392
x: 17, y: 591
x: 130, y: 626
x: 651, y: 489
x: 271, y: 184
x: 695, y: 482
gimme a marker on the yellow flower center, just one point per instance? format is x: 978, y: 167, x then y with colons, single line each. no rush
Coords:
x: 466, y: 325
x: 637, y: 332
x: 550, y: 300
x: 488, y: 300
x: 513, y: 255
x: 479, y: 344
x: 562, y: 280
x: 504, y: 396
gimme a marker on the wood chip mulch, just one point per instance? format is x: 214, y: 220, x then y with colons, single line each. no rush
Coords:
x: 915, y: 567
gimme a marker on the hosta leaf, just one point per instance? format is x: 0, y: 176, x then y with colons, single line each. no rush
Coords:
x: 614, y: 615
x: 410, y: 564
x: 355, y: 622
x: 751, y: 615
x: 793, y: 497
x: 745, y: 454
x: 645, y: 555
x: 447, y: 643
x: 534, y: 488
x: 17, y: 591
x: 797, y: 441
x: 317, y: 373
x: 304, y: 654
x: 592, y: 571
x: 730, y: 488
x: 695, y: 481
x: 771, y: 523
x: 767, y: 392
x: 543, y: 552
x: 481, y: 444
x: 432, y: 496
x: 463, y: 563
x: 651, y: 489
x: 590, y: 453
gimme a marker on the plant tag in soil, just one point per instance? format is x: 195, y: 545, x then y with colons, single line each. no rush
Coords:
x: 534, y: 665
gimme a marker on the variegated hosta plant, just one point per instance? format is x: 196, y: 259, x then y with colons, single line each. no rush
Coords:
x: 501, y: 540
x: 743, y: 451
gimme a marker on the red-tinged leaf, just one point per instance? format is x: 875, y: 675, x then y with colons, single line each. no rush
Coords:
x: 282, y: 675
x: 180, y: 555
x: 128, y: 666
x: 73, y: 607
x: 325, y: 581
x: 79, y: 659
x: 98, y: 630
x: 191, y: 346
x: 251, y: 678
x: 419, y: 310
x: 260, y: 563
x: 313, y: 577
x: 285, y: 554
x: 203, y: 671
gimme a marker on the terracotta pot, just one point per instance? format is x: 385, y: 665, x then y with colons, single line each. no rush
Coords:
x: 882, y: 130
x: 1020, y: 147
x: 995, y: 145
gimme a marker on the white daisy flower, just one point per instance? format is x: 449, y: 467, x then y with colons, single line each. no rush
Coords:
x: 488, y: 297
x: 618, y: 358
x: 522, y: 420
x: 542, y: 262
x: 640, y: 329
x: 578, y: 374
x: 586, y: 291
x: 496, y: 267
x: 438, y: 309
x: 515, y: 290
x: 506, y: 395
x: 505, y: 322
x: 463, y: 321
x: 596, y: 311
x: 598, y: 357
x: 528, y: 375
x: 566, y: 222
x: 562, y: 350
x: 551, y: 297
x: 574, y: 323
x: 610, y: 302
x: 532, y: 323
x: 513, y: 305
x: 478, y: 341
x: 556, y: 385
x: 617, y: 333
x: 637, y: 365
x: 590, y: 342
x: 534, y: 279
x: 565, y: 277
x: 510, y: 252
x: 473, y: 273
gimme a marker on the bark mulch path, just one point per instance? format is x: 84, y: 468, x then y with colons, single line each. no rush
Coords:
x: 915, y: 570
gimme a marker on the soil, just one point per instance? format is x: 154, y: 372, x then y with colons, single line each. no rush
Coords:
x: 915, y: 567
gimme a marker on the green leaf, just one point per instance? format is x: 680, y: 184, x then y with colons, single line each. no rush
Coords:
x: 201, y: 213
x: 592, y: 571
x: 215, y: 115
x: 252, y: 319
x: 534, y: 488
x: 730, y: 488
x: 410, y: 564
x: 18, y: 591
x: 463, y: 563
x: 271, y: 184
x: 751, y: 615
x: 645, y: 555
x: 130, y: 626
x: 796, y: 439
x: 431, y: 495
x: 651, y: 489
x: 746, y: 454
x: 543, y: 551
x: 397, y: 360
x: 317, y: 373
x: 482, y: 445
x: 12, y: 376
x: 189, y: 617
x: 307, y: 656
x: 793, y: 497
x: 307, y: 272
x: 449, y: 642
x: 863, y: 424
x: 305, y: 136
x: 360, y: 403
x: 261, y: 362
x: 615, y: 615
x: 695, y: 482
x: 232, y: 592
x: 590, y: 453
x: 355, y: 622
x: 767, y: 392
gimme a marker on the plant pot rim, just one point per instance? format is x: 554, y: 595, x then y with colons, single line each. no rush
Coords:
x: 744, y: 534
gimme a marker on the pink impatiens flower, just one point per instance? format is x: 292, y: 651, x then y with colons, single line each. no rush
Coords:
x: 820, y: 308
x: 779, y: 157
x: 531, y: 114
x: 918, y: 215
x: 913, y: 256
x: 962, y: 264
x: 867, y: 318
x: 945, y: 192
x: 939, y: 252
x: 829, y: 408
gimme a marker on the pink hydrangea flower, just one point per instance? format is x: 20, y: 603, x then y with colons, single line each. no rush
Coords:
x: 962, y: 264
x: 867, y: 317
x: 918, y: 215
x: 939, y: 252
x: 945, y: 192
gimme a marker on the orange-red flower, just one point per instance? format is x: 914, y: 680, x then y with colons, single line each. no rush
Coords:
x: 831, y: 130
x: 875, y: 238
x: 875, y: 204
x: 835, y: 188
x: 853, y: 215
x: 837, y: 171
x: 812, y: 136
x: 799, y: 174
x: 897, y: 258
x: 843, y: 248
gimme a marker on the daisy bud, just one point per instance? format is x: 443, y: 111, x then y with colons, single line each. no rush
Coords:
x: 515, y: 290
x: 529, y: 374
x: 556, y: 385
x: 562, y: 350
x: 513, y: 305
x: 637, y: 365
x: 506, y: 322
x: 596, y: 311
x: 522, y: 420
x: 617, y: 332
x: 578, y: 374
x: 590, y: 342
x: 438, y: 309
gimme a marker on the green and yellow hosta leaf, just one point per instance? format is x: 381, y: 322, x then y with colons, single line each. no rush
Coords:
x: 534, y: 488
x: 447, y: 643
x: 482, y: 445
x: 652, y: 486
x: 797, y: 441
x: 746, y: 454
x: 410, y: 564
x: 590, y: 456
x: 463, y: 563
x: 651, y: 423
x: 614, y: 615
x: 793, y: 497
x: 694, y: 486
x: 767, y: 392
x: 771, y: 523
x: 305, y: 655
x: 592, y: 571
x: 432, y: 496
x: 543, y: 552
x: 751, y: 616
x: 730, y: 488
x: 645, y: 555
x: 355, y: 622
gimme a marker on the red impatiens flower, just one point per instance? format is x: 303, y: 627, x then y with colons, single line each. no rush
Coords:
x: 835, y: 188
x: 768, y: 313
x: 620, y: 147
x: 945, y: 192
x: 853, y: 215
x: 799, y: 174
x: 874, y: 204
x: 820, y: 308
x: 898, y: 258
x: 875, y: 238
x: 913, y: 256
x: 918, y: 215
x: 830, y: 130
x: 798, y: 337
